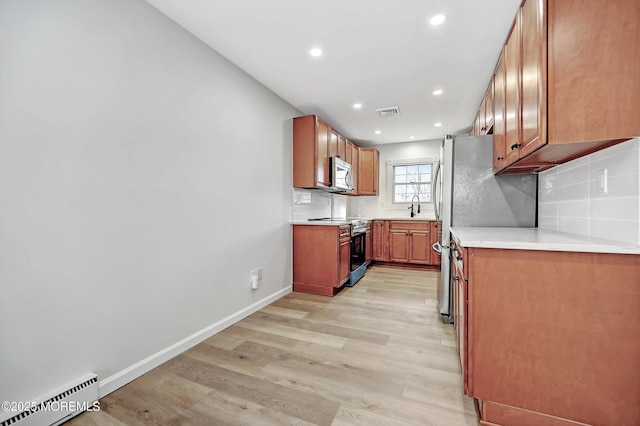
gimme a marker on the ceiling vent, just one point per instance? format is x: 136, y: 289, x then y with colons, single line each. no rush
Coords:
x: 388, y: 111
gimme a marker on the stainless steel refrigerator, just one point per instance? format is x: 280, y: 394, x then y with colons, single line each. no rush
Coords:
x: 467, y: 193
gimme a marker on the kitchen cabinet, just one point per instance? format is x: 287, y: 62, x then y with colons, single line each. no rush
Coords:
x: 368, y: 159
x: 369, y: 244
x: 405, y: 242
x: 545, y: 336
x: 342, y: 147
x: 314, y: 142
x: 311, y: 137
x: 333, y: 144
x: 499, y: 141
x: 352, y: 158
x: 533, y: 66
x: 380, y: 240
x: 483, y: 123
x: 321, y: 258
x: 577, y: 81
x: 410, y: 242
x: 337, y: 145
x: 512, y: 93
x: 488, y: 110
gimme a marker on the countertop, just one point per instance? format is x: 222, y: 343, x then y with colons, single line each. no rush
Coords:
x: 347, y: 221
x: 327, y: 222
x: 538, y: 239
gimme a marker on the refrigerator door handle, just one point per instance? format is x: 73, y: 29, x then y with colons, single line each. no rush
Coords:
x: 437, y: 247
x: 434, y: 191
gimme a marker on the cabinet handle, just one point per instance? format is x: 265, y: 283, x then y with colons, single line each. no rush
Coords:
x: 500, y: 158
x: 516, y: 145
x: 456, y: 278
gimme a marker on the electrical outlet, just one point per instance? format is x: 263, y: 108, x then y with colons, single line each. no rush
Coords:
x: 254, y: 279
x: 260, y: 273
x: 603, y: 184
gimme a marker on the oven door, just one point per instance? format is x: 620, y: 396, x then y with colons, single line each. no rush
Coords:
x: 358, y: 249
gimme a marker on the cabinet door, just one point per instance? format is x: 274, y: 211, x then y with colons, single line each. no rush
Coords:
x: 512, y: 94
x: 499, y: 141
x: 420, y: 247
x: 380, y: 238
x: 349, y: 152
x: 342, y: 147
x: 488, y: 111
x: 462, y: 327
x: 355, y: 165
x: 322, y: 152
x: 344, y: 266
x: 333, y: 143
x: 398, y: 246
x: 534, y: 89
x: 482, y: 122
x: 368, y: 171
x: 369, y: 245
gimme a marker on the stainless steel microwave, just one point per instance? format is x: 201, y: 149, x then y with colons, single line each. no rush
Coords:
x: 340, y: 175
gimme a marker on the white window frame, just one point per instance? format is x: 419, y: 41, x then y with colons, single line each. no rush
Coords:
x: 391, y: 204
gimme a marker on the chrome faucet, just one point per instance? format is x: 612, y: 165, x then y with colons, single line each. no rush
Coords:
x: 411, y: 208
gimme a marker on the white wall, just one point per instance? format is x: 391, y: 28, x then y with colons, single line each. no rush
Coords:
x: 142, y: 176
x: 569, y: 199
x: 380, y: 207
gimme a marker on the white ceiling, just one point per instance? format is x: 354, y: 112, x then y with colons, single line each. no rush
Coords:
x: 379, y: 53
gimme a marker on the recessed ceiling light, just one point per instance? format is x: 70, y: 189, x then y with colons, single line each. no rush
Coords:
x: 437, y: 20
x: 315, y: 52
x: 357, y: 106
x: 437, y: 124
x: 412, y: 137
x: 437, y: 92
x: 377, y: 132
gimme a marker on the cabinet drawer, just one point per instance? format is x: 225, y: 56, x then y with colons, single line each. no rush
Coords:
x: 344, y: 232
x: 409, y: 225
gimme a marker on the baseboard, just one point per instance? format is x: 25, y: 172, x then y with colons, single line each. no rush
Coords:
x: 136, y: 370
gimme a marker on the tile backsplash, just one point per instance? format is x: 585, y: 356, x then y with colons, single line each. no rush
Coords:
x: 313, y: 204
x: 572, y: 198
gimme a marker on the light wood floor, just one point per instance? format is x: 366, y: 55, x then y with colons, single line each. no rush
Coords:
x: 376, y: 354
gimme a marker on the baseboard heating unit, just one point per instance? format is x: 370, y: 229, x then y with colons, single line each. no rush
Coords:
x: 57, y: 406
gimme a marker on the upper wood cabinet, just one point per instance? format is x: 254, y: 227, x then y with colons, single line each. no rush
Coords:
x: 353, y: 158
x: 499, y: 141
x: 533, y: 78
x: 571, y: 83
x: 314, y: 142
x: 342, y: 147
x: 311, y: 138
x: 368, y: 159
x: 512, y: 94
x: 488, y: 109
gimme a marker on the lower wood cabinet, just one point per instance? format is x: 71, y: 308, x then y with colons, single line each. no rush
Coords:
x: 407, y: 242
x: 380, y: 240
x: 369, y: 244
x: 548, y: 337
x: 321, y: 258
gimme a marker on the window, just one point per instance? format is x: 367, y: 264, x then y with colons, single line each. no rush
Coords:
x: 410, y: 180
